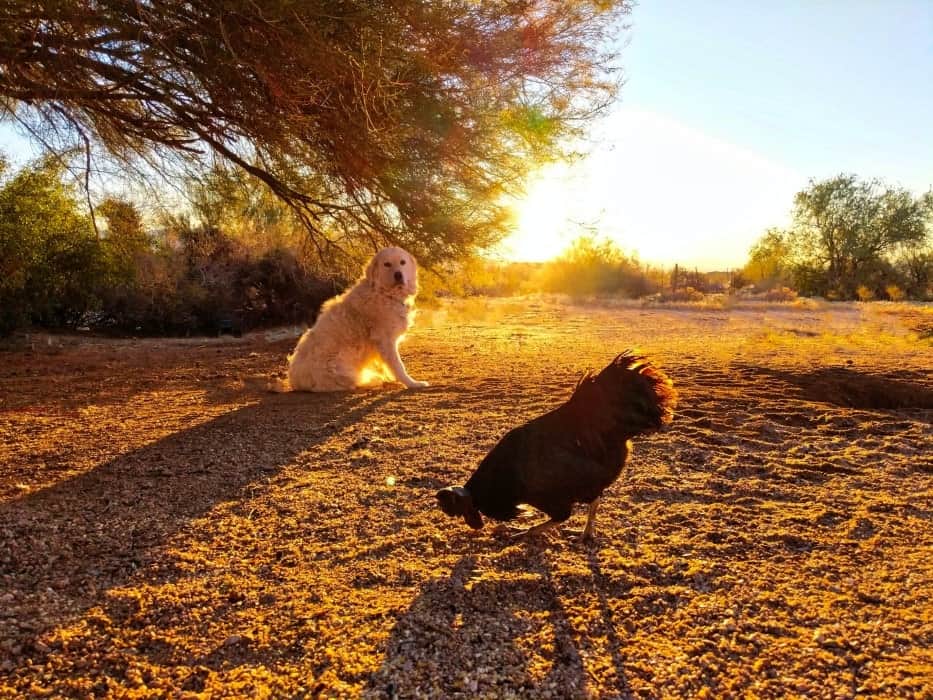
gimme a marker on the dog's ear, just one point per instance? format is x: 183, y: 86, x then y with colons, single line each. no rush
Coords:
x: 413, y: 275
x: 369, y: 274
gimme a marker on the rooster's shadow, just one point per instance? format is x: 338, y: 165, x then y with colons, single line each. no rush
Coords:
x: 493, y: 626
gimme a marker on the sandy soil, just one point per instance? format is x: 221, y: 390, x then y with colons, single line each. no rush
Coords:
x: 165, y: 530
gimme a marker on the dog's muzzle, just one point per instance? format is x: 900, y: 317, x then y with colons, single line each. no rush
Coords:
x: 398, y: 277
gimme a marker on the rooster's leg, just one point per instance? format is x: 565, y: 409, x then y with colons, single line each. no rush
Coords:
x: 590, y: 529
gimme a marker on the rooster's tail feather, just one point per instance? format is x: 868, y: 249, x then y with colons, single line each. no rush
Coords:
x: 630, y: 397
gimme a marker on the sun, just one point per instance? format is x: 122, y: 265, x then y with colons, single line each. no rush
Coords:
x: 542, y: 228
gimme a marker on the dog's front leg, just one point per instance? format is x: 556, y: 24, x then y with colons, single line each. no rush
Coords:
x: 389, y: 353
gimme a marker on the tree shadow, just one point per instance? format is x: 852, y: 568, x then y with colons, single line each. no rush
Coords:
x: 63, y: 547
x: 475, y: 632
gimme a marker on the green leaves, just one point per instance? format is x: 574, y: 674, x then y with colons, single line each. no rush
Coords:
x: 850, y: 239
x: 49, y: 257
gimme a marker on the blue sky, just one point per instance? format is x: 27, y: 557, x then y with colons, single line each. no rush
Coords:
x: 14, y: 146
x: 818, y: 85
x: 730, y: 108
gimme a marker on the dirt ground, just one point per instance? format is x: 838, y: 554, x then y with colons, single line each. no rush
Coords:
x: 168, y: 531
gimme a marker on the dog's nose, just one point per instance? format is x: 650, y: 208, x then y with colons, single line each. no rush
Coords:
x: 398, y: 276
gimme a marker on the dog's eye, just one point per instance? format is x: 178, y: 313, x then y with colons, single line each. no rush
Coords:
x: 388, y: 264
x: 402, y: 263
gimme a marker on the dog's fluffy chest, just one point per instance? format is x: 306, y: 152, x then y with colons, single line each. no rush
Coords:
x: 394, y: 315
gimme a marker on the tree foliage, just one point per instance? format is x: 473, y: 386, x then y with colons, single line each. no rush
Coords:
x: 914, y: 259
x: 375, y: 121
x: 769, y: 261
x: 850, y: 239
x: 126, y: 243
x: 845, y: 231
x: 49, y: 256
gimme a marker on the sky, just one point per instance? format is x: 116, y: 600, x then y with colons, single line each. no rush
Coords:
x: 730, y: 108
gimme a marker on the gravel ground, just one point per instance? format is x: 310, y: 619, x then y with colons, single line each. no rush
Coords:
x: 166, y: 530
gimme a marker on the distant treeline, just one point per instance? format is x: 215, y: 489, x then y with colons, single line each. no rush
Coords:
x: 239, y: 256
x: 850, y: 239
x: 597, y: 268
x: 57, y: 270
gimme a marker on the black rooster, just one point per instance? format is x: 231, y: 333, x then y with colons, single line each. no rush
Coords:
x: 571, y: 454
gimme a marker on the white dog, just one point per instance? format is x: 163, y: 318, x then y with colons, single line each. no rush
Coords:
x: 355, y: 340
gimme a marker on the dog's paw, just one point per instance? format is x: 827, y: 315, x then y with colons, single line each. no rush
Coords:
x: 418, y: 385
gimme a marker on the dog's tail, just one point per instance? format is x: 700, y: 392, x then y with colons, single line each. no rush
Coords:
x: 274, y: 385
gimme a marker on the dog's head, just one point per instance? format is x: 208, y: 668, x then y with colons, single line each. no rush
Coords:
x: 393, y: 271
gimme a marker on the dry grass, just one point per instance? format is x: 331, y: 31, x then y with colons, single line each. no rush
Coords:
x: 164, y: 531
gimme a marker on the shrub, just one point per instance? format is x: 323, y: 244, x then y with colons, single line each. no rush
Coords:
x: 591, y: 267
x: 894, y: 292
x: 199, y: 276
x: 51, y: 263
x: 156, y: 300
x: 277, y: 288
x: 688, y: 294
x: 55, y: 272
x: 864, y: 293
x: 780, y: 294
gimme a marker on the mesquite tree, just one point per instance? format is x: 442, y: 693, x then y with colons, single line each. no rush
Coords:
x: 375, y: 120
x: 845, y: 230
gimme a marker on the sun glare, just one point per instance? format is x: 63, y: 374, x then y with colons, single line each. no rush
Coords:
x: 374, y: 374
x: 659, y: 189
x: 542, y: 230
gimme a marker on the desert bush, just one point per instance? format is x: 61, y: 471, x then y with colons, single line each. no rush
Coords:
x: 780, y: 294
x: 739, y: 281
x: 688, y: 294
x: 810, y: 281
x: 914, y: 265
x: 51, y: 262
x: 476, y: 276
x: 590, y: 267
x: 894, y: 292
x: 702, y: 282
x: 864, y: 293
x: 499, y: 279
x: 156, y: 300
x: 199, y: 275
x: 278, y: 288
x: 56, y: 272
